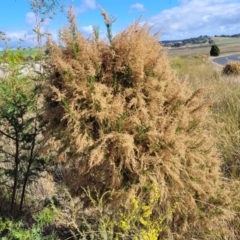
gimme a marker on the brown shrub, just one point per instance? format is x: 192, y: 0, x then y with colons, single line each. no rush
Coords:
x: 122, y: 121
x: 232, y: 68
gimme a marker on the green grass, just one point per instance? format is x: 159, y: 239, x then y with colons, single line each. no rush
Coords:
x: 225, y: 40
x: 25, y: 51
x: 226, y: 45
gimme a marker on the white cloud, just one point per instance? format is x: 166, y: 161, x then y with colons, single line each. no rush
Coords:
x: 90, y: 3
x: 197, y: 17
x: 24, y: 38
x: 30, y: 18
x: 21, y: 38
x: 88, y: 30
x: 16, y: 34
x: 85, y: 5
x: 137, y: 7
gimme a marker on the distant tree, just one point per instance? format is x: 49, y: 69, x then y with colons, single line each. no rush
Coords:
x: 211, y: 41
x: 215, y: 51
x: 177, y: 44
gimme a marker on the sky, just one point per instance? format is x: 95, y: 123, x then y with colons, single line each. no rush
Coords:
x: 175, y: 19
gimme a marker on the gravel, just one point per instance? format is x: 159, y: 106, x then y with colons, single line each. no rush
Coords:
x: 26, y: 69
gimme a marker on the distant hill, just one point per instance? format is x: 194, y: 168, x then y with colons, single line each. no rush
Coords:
x: 197, y: 40
x: 200, y: 39
x: 231, y: 36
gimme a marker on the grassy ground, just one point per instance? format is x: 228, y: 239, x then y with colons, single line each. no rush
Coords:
x: 226, y: 45
x: 25, y: 51
x: 226, y: 40
x: 223, y: 94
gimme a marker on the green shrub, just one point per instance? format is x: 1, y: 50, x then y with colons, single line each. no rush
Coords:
x: 17, y: 230
x: 20, y: 131
x: 232, y: 68
x: 37, y: 56
x: 215, y: 51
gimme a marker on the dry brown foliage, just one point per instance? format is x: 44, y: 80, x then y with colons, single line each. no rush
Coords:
x: 232, y: 68
x: 122, y: 121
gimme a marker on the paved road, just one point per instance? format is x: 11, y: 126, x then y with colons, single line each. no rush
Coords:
x: 226, y: 59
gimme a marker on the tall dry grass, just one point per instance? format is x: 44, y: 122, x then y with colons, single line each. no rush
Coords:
x: 223, y: 93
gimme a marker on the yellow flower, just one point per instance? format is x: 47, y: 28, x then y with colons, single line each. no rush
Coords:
x: 135, y: 203
x: 147, y: 211
x: 143, y: 221
x: 124, y: 225
x: 150, y: 234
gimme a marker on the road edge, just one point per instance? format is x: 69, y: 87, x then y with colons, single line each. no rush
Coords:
x: 217, y: 65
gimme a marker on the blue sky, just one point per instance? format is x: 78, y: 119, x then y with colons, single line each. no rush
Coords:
x: 175, y: 19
